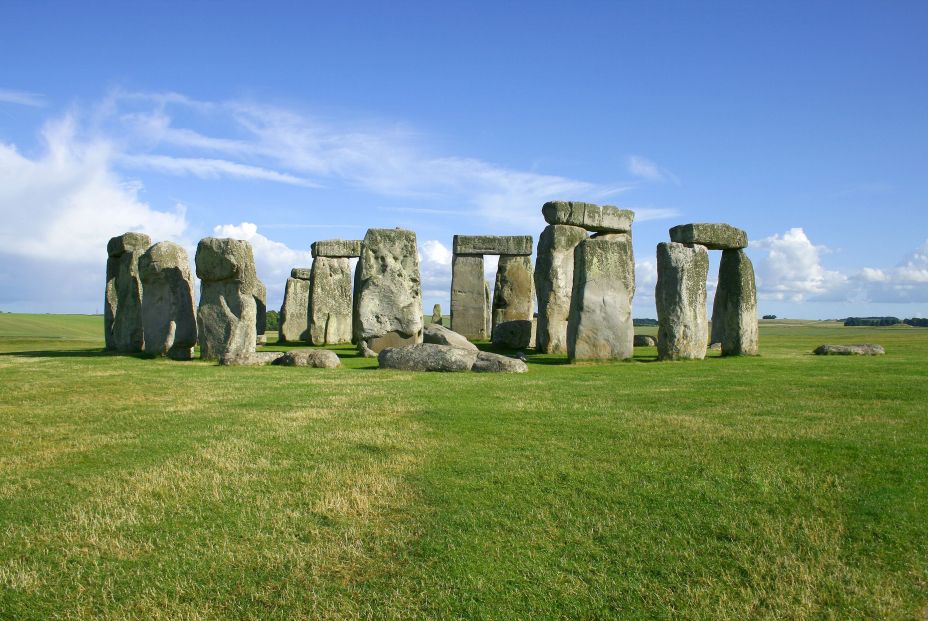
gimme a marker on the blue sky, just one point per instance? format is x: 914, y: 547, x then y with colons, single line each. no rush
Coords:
x: 803, y: 123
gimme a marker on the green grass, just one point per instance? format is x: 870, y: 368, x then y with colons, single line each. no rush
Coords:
x: 787, y: 486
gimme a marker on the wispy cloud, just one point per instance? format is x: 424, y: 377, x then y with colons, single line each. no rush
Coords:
x: 22, y: 98
x: 209, y: 169
x: 643, y: 168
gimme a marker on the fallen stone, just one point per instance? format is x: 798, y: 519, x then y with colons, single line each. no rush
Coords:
x: 227, y: 315
x: 330, y: 301
x: 734, y: 312
x: 294, y: 312
x: 862, y: 349
x: 596, y: 218
x: 169, y: 319
x: 554, y: 283
x: 336, y: 248
x: 517, y: 334
x: 440, y: 335
x: 427, y: 357
x: 388, y: 293
x: 122, y: 314
x: 493, y: 244
x: 436, y: 314
x: 645, y: 340
x: 301, y: 273
x: 712, y: 236
x: 469, y: 315
x: 514, y: 293
x: 600, y: 323
x: 316, y: 358
x: 366, y: 352
x: 250, y: 359
x: 680, y: 295
x: 715, y: 347
x: 495, y: 363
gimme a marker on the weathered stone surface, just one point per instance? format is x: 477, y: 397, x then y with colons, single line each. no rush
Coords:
x: 712, y: 236
x: 427, y: 357
x: 600, y: 323
x: 227, y: 316
x: 169, y: 319
x: 436, y: 314
x: 517, y: 334
x: 493, y: 244
x: 468, y: 304
x: 862, y: 349
x: 336, y: 248
x: 596, y: 218
x: 388, y: 292
x: 495, y: 363
x: 645, y: 340
x: 122, y: 314
x: 488, y: 305
x: 330, y: 301
x: 514, y: 293
x: 366, y: 352
x: 316, y: 358
x: 260, y: 295
x: 734, y: 313
x: 683, y: 329
x: 250, y: 359
x: 302, y: 273
x: 440, y: 335
x: 554, y: 283
x: 294, y: 312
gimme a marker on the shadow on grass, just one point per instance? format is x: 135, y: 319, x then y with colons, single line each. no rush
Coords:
x: 69, y: 353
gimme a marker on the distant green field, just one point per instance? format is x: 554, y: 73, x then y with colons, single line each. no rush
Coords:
x: 787, y: 486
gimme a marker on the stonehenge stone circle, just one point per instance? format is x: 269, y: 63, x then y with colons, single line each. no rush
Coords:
x: 336, y: 248
x: 294, y: 312
x: 680, y: 294
x: 493, y: 244
x: 595, y: 218
x: 514, y: 293
x: 600, y: 325
x: 227, y: 316
x: 862, y: 349
x: 169, y: 319
x: 122, y: 314
x: 436, y: 314
x: 469, y: 312
x: 734, y: 312
x: 427, y: 357
x: 260, y: 294
x: 388, y: 292
x: 440, y: 335
x: 330, y: 320
x: 554, y: 282
x: 712, y: 236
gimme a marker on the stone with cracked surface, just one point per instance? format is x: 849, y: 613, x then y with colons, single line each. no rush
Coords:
x: 493, y: 244
x: 294, y: 312
x: 595, y: 218
x: 712, y: 236
x: 468, y: 305
x: 336, y: 248
x: 554, y: 283
x: 227, y: 315
x: 514, y: 292
x: 330, y: 301
x: 734, y: 312
x: 169, y: 317
x: 680, y: 294
x: 122, y: 311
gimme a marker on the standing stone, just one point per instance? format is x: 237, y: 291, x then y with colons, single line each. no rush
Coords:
x: 330, y: 301
x: 600, y: 323
x: 554, y: 282
x: 734, y: 313
x: 168, y: 315
x: 436, y: 314
x: 122, y: 314
x: 260, y: 295
x: 227, y: 316
x: 680, y: 294
x: 388, y: 290
x: 514, y: 293
x: 468, y: 305
x: 294, y: 312
x: 488, y: 307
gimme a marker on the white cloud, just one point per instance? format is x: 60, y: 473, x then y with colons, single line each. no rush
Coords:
x: 22, y: 98
x: 209, y: 169
x: 273, y: 259
x: 645, y: 169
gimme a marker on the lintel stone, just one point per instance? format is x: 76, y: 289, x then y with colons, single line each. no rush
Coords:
x: 336, y: 248
x: 493, y: 244
x: 712, y: 236
x: 595, y: 218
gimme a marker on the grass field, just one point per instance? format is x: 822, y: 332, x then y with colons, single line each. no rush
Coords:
x: 787, y: 486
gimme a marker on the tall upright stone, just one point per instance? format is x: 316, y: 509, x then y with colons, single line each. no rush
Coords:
x: 122, y: 314
x: 168, y: 315
x: 600, y: 325
x: 488, y: 306
x: 734, y: 313
x: 436, y: 314
x: 330, y: 301
x: 468, y: 305
x: 514, y: 292
x: 294, y: 311
x: 680, y: 294
x: 388, y: 290
x: 554, y: 282
x: 227, y: 315
x: 260, y: 295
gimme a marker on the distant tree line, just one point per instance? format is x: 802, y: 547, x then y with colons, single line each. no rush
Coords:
x: 886, y: 321
x: 916, y: 322
x: 644, y: 322
x: 769, y: 317
x: 273, y: 321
